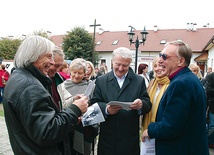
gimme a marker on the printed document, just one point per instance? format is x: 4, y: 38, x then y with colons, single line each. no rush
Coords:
x: 124, y: 105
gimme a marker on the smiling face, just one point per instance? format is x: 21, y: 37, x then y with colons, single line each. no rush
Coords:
x: 89, y: 69
x: 120, y: 65
x: 56, y: 67
x: 77, y: 75
x: 159, y: 70
x: 44, y: 62
x: 170, y: 61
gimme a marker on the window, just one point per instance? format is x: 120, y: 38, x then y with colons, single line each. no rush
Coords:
x: 99, y: 42
x: 163, y: 41
x: 115, y: 42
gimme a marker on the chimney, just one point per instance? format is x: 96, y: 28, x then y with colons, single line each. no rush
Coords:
x: 194, y: 27
x: 155, y: 28
x: 101, y: 31
x: 188, y: 27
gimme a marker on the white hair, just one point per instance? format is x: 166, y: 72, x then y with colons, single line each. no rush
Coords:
x: 30, y: 50
x: 123, y: 52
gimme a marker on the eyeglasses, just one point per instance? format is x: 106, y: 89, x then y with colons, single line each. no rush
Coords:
x: 165, y: 56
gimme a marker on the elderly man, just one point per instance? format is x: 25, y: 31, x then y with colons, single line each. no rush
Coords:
x: 119, y: 134
x: 180, y: 127
x: 55, y: 76
x: 35, y: 125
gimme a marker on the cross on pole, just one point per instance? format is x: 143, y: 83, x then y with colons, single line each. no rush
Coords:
x: 95, y: 25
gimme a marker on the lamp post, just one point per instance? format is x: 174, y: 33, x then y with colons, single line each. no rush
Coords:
x: 137, y: 42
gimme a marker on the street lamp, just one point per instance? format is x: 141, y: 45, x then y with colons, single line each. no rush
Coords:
x: 137, y: 42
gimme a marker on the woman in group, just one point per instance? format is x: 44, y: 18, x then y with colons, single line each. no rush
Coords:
x: 68, y: 91
x: 156, y: 89
x: 196, y: 70
x: 64, y: 71
x: 90, y: 73
x: 143, y: 71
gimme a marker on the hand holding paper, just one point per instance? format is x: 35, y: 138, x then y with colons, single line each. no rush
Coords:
x: 124, y: 105
x: 92, y: 116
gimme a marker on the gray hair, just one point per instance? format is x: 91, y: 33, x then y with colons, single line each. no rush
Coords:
x: 30, y: 50
x: 183, y: 51
x: 123, y: 52
x: 58, y: 51
x: 77, y: 64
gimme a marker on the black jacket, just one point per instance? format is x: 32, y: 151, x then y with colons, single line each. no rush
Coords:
x: 35, y: 125
x: 119, y: 134
x: 209, y: 87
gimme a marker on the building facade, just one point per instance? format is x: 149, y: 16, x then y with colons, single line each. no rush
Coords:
x: 200, y: 40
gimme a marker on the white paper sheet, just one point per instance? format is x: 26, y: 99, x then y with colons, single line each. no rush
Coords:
x: 124, y: 105
x: 148, y: 147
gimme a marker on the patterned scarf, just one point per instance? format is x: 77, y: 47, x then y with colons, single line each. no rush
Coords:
x: 151, y: 116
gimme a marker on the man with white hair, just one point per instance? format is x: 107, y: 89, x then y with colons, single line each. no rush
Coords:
x: 35, y: 125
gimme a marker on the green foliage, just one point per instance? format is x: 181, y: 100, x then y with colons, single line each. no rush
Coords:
x: 78, y: 43
x: 8, y: 48
x: 42, y: 33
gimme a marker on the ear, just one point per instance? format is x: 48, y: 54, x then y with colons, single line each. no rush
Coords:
x: 181, y: 62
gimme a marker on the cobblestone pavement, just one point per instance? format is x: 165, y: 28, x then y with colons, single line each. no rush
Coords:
x: 5, y: 148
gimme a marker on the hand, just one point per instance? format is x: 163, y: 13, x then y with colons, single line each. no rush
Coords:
x: 113, y: 109
x: 82, y: 104
x: 145, y: 135
x: 136, y: 105
x: 78, y: 96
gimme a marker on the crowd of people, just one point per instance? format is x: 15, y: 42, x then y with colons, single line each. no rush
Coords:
x: 45, y: 97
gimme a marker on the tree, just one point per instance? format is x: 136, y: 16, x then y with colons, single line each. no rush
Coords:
x: 8, y: 48
x: 78, y: 43
x: 42, y: 33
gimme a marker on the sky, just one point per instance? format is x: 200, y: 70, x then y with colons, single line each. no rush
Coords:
x: 23, y: 17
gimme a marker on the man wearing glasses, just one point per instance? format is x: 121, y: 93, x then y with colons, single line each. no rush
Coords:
x: 180, y: 123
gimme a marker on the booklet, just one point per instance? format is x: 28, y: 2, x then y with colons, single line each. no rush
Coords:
x: 93, y: 115
x: 124, y: 105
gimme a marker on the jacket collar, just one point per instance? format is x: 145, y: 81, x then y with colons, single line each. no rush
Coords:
x: 129, y: 75
x: 46, y: 81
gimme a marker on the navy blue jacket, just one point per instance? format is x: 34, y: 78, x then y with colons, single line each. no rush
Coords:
x: 180, y: 123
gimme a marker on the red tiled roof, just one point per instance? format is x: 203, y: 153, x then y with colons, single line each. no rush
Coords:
x: 197, y: 40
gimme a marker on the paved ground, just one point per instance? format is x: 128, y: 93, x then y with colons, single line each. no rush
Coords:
x: 5, y: 148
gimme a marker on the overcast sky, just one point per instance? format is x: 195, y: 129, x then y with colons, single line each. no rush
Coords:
x: 58, y: 16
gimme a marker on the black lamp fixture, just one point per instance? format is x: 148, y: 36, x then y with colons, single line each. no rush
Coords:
x: 137, y: 42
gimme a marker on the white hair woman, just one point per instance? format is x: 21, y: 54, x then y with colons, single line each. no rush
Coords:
x: 71, y: 89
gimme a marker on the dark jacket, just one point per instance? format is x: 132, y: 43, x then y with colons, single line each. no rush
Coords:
x: 180, y: 127
x: 209, y: 87
x: 119, y: 134
x: 34, y: 123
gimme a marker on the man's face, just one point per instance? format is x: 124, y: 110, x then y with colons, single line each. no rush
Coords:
x: 120, y: 65
x: 169, y: 60
x: 57, y: 66
x: 44, y: 62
